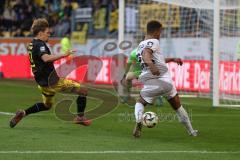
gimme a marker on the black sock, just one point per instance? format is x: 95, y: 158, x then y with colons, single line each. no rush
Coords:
x: 81, y: 105
x: 38, y: 107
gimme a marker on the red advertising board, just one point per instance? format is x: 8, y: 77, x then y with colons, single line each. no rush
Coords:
x: 229, y: 77
x: 193, y: 76
x: 15, y: 66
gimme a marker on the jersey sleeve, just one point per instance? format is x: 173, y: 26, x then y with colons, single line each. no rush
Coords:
x: 133, y: 57
x: 153, y: 44
x: 41, y: 49
x: 129, y: 61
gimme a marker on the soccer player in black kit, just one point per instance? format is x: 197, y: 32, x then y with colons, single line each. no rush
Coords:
x: 49, y: 82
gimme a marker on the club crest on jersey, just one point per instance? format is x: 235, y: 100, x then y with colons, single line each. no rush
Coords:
x: 42, y: 49
x: 149, y: 44
x: 141, y: 46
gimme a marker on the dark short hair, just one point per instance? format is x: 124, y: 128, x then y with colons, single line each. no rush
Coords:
x: 153, y: 26
x: 38, y: 25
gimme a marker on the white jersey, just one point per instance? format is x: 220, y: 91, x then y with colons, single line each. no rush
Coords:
x: 153, y: 85
x: 158, y: 59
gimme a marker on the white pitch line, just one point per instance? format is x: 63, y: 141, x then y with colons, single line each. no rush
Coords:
x: 119, y: 152
x: 6, y: 113
x: 129, y: 113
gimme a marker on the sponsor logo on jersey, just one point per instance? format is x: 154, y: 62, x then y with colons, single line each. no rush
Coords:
x: 42, y: 49
x: 149, y: 44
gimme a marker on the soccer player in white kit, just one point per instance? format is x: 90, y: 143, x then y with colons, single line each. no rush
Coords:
x: 156, y: 79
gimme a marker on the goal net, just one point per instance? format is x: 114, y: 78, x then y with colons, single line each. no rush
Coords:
x: 205, y: 37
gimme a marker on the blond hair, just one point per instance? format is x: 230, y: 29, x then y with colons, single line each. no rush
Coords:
x: 38, y: 25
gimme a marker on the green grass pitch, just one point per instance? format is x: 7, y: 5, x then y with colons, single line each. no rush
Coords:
x: 43, y: 136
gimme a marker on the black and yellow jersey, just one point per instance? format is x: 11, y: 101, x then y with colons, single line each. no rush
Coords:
x: 44, y: 72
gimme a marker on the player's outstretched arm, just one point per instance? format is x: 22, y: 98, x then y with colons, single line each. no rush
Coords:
x: 52, y: 57
x: 176, y: 60
x: 130, y: 60
x: 126, y: 70
x: 147, y: 58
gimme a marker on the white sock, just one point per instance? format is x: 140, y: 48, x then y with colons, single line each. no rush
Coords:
x: 139, y: 108
x: 184, y: 119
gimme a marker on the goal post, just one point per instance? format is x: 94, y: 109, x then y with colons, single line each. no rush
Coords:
x: 204, y: 33
x: 121, y: 29
x: 216, y: 53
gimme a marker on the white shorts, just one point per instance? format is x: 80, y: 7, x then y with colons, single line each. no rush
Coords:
x: 153, y: 88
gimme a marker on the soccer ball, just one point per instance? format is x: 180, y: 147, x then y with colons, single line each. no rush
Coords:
x: 149, y: 119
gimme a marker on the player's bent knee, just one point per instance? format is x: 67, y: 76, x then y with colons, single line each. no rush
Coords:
x: 141, y: 100
x: 83, y: 92
x: 48, y: 105
x: 175, y: 102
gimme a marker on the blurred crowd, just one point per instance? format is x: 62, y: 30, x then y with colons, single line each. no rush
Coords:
x: 16, y: 16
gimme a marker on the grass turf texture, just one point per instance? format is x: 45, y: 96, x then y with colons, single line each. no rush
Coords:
x: 219, y: 131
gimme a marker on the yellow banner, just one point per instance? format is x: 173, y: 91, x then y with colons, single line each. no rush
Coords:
x: 113, y: 23
x: 99, y: 18
x: 238, y: 18
x: 80, y: 37
x: 228, y: 18
x: 168, y: 15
